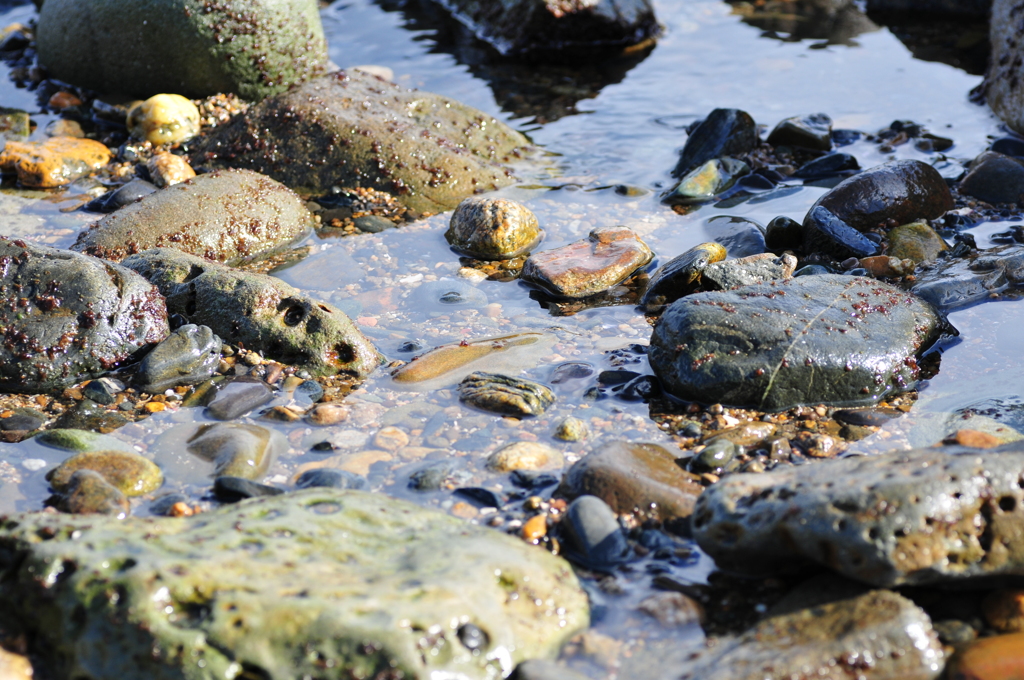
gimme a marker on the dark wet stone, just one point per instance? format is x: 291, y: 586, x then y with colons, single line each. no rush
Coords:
x: 607, y: 257
x: 827, y: 166
x: 103, y: 390
x: 234, y: 489
x: 326, y: 477
x: 220, y: 216
x: 739, y: 347
x: 594, y: 537
x: 164, y: 506
x: 570, y: 370
x: 237, y: 398
x: 956, y: 282
x: 188, y: 356
x: 994, y: 178
x: 542, y: 669
x: 88, y: 415
x: 706, y: 181
x: 88, y: 493
x: 308, y: 392
x: 813, y: 131
x: 866, y: 416
x: 120, y: 197
x: 824, y: 641
x: 410, y: 346
x: 432, y: 477
x: 505, y: 395
x: 480, y: 497
x: 260, y: 312
x: 644, y: 388
x: 748, y: 523
x: 23, y: 420
x: 236, y: 450
x: 756, y: 182
x: 825, y: 233
x: 783, y: 233
x: 615, y: 377
x: 373, y: 224
x: 1009, y: 146
x: 132, y: 474
x: 459, y: 149
x: 88, y: 316
x: 714, y: 457
x: 680, y: 276
x: 533, y: 479
x: 493, y: 228
x: 725, y: 132
x: 845, y: 137
x: 252, y: 48
x: 738, y: 235
x: 631, y: 478
x: 746, y: 271
x: 929, y: 143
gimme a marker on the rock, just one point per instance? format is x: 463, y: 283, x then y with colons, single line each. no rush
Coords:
x: 130, y: 473
x: 445, y: 295
x: 968, y: 8
x: 714, y: 457
x: 706, y: 181
x: 746, y: 271
x: 372, y: 580
x: 252, y: 48
x: 505, y: 395
x: 542, y: 669
x: 88, y: 415
x: 995, y: 658
x: 680, y: 276
x: 236, y: 450
x: 233, y: 489
x: 956, y: 282
x: 449, y: 364
x: 876, y: 636
x: 672, y: 610
x: 825, y: 233
x: 525, y: 456
x: 884, y: 267
x: 832, y: 339
x: 941, y: 519
x: 80, y: 317
x: 54, y: 163
x: 571, y: 429
x: 902, y: 191
x: 188, y: 356
x: 164, y: 119
x: 725, y: 132
x: 634, y: 478
x: 327, y: 414
x: 120, y: 197
x: 460, y: 150
x: 783, y: 233
x: 829, y: 165
x: 994, y: 178
x: 594, y: 537
x: 432, y: 476
x: 237, y: 398
x: 1000, y: 87
x: 103, y: 390
x: 372, y: 224
x: 260, y: 312
x: 915, y: 241
x: 15, y: 123
x: 1004, y: 610
x: 23, y: 420
x: 325, y: 477
x: 545, y: 26
x: 809, y: 132
x: 88, y: 493
x: 587, y: 267
x: 493, y: 228
x: 14, y: 666
x: 390, y: 438
x: 166, y: 169
x: 220, y: 216
x: 746, y: 435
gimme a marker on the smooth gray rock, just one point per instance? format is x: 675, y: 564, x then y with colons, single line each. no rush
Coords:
x: 188, y: 356
x: 595, y: 538
x: 830, y: 339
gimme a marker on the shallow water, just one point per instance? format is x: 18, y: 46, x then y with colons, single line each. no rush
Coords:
x: 626, y: 133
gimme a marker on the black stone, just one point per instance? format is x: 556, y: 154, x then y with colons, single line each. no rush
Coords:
x: 827, y: 166
x: 233, y: 489
x: 594, y: 537
x: 825, y: 233
x: 120, y: 197
x: 326, y: 477
x: 725, y: 132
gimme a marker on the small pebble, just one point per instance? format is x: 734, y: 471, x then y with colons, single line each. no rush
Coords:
x: 167, y: 169
x: 164, y: 119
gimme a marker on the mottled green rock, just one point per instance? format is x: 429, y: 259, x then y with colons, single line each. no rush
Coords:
x: 323, y: 582
x: 191, y: 47
x: 131, y: 473
x: 915, y: 241
x: 88, y: 493
x: 235, y: 449
x: 220, y: 216
x: 258, y: 311
x: 429, y: 151
x: 506, y: 395
x: 81, y: 440
x: 571, y: 429
x: 493, y: 228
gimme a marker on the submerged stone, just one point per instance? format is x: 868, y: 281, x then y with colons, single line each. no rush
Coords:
x: 493, y: 228
x: 220, y: 216
x: 813, y: 131
x: 505, y: 395
x: 829, y: 165
x: 725, y: 132
x: 235, y: 449
x: 188, y: 356
x: 124, y: 195
x: 680, y: 276
x: 706, y: 181
x: 237, y: 398
x: 285, y: 587
x: 132, y: 474
x: 81, y: 440
x: 593, y: 533
x: 88, y: 493
x: 525, y: 456
x: 448, y: 364
x: 957, y: 282
x: 830, y: 339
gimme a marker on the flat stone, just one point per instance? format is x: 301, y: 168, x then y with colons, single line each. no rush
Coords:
x: 237, y: 398
x: 590, y: 266
x: 188, y: 356
x: 81, y: 440
x: 840, y: 340
x: 824, y: 232
x: 505, y: 395
x: 493, y: 228
x: 236, y: 449
x: 994, y: 178
x: 914, y: 517
x: 124, y: 195
x: 525, y: 456
x: 130, y: 473
x: 706, y: 181
x: 54, y: 163
x: 282, y: 586
x: 956, y: 282
x: 449, y: 364
x: 745, y: 271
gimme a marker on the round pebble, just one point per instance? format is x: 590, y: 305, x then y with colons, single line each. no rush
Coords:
x: 524, y: 456
x: 164, y: 119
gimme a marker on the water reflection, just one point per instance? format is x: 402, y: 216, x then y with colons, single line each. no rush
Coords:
x: 795, y: 20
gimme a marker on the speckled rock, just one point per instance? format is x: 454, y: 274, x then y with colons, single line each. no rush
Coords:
x: 590, y: 266
x: 877, y: 636
x: 221, y: 216
x: 132, y: 474
x: 53, y: 163
x: 994, y: 178
x: 916, y: 241
x: 88, y: 493
x: 193, y: 47
x: 285, y: 587
x: 449, y: 364
x: 188, y: 356
x: 956, y: 282
x: 525, y: 456
x: 831, y: 339
x: 642, y: 478
x: 725, y: 132
x: 746, y: 271
x: 1001, y: 86
x: 920, y: 516
x: 680, y: 276
x: 236, y: 449
x: 493, y: 228
x: 164, y: 119
x: 260, y: 312
x: 1004, y: 610
x: 505, y: 395
x: 87, y: 316
x: 460, y: 150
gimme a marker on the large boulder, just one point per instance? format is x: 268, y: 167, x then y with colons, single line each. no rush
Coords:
x: 1002, y: 86
x: 68, y: 317
x: 221, y: 216
x: 840, y: 340
x: 352, y: 129
x: 191, y: 47
x: 258, y: 311
x: 318, y: 583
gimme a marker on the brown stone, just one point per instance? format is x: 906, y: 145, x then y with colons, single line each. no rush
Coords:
x: 587, y: 267
x: 166, y: 169
x: 14, y: 666
x: 885, y: 267
x: 980, y: 440
x: 1004, y: 610
x: 994, y: 658
x: 672, y: 610
x: 53, y: 163
x: 747, y: 434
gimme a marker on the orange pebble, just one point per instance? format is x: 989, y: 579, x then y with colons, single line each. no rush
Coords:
x: 155, y: 407
x: 62, y: 100
x: 535, y: 528
x: 181, y: 510
x: 994, y: 658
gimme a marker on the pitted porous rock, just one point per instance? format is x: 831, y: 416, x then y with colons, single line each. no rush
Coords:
x: 877, y: 636
x: 258, y: 311
x: 1002, y: 81
x: 428, y: 151
x: 285, y: 587
x: 920, y: 516
x: 221, y: 216
x: 840, y: 340
x: 67, y: 317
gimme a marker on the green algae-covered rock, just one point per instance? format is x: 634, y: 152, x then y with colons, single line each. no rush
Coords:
x: 71, y: 439
x: 132, y: 474
x: 258, y: 311
x: 352, y: 129
x: 191, y: 47
x: 321, y: 583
